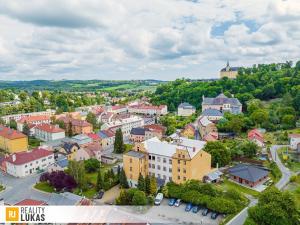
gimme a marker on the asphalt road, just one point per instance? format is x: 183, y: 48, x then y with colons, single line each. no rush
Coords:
x: 286, y: 174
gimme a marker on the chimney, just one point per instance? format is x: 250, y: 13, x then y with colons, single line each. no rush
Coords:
x: 14, y: 157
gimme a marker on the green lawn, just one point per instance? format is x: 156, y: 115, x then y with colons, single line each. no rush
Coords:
x: 44, y: 186
x: 231, y: 185
x: 90, y: 193
x: 286, y: 157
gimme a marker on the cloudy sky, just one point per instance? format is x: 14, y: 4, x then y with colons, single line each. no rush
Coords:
x: 143, y: 39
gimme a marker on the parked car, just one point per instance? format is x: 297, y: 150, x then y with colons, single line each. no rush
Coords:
x: 172, y: 201
x: 188, y: 207
x: 214, y: 215
x: 178, y: 202
x: 100, y: 194
x: 205, y: 212
x: 196, y: 209
x: 159, y: 197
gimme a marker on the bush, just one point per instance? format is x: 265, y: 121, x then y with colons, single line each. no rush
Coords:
x: 59, y: 180
x: 91, y: 165
x: 132, y: 196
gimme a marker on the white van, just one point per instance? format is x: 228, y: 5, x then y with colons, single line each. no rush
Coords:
x: 159, y: 197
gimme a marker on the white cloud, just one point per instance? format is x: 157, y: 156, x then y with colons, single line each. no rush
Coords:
x: 125, y: 39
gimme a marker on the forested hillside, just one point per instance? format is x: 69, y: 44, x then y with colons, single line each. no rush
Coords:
x: 262, y: 82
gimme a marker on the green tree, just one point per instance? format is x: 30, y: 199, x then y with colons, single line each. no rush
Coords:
x: 248, y: 148
x: 139, y: 198
x: 123, y: 179
x: 141, y: 183
x: 259, y: 116
x: 147, y: 184
x: 13, y: 124
x: 153, y: 185
x: 99, y: 184
x: 91, y: 165
x: 77, y: 171
x: 91, y: 118
x: 119, y: 146
x: 220, y: 154
x: 26, y: 129
x: 70, y: 129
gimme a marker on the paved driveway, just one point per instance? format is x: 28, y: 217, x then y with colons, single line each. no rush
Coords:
x: 17, y: 189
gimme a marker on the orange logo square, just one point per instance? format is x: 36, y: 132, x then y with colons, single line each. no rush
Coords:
x: 12, y: 214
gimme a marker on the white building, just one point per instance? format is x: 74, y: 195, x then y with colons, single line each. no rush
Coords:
x: 22, y: 164
x: 125, y: 124
x: 186, y: 109
x: 47, y: 132
x: 148, y: 109
x: 34, y: 120
x: 294, y: 140
x: 117, y: 109
x: 17, y: 117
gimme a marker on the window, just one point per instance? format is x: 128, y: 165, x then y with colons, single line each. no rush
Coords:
x: 170, y: 170
x: 164, y: 168
x: 184, y: 178
x: 178, y: 161
x: 130, y: 168
x: 184, y: 170
x: 153, y: 166
x: 183, y: 156
x: 164, y: 160
x: 158, y: 167
x: 178, y: 169
x: 164, y: 177
x: 184, y: 162
x: 179, y: 155
x: 178, y: 177
x: 149, y: 165
x: 153, y: 157
x: 170, y: 161
x: 130, y: 160
x: 158, y: 159
x: 150, y: 157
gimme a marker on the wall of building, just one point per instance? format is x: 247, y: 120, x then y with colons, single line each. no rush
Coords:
x: 14, y: 145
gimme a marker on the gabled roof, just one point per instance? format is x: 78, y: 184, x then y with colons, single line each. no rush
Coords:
x: 138, y: 131
x: 156, y: 127
x: 21, y: 158
x: 10, y: 133
x: 31, y: 119
x: 30, y: 202
x: 67, y: 146
x: 248, y: 172
x: 220, y: 100
x: 49, y: 128
x: 186, y: 105
x: 211, y: 112
x: 204, y: 121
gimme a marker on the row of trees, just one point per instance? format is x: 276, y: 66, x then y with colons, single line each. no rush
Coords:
x: 206, y: 195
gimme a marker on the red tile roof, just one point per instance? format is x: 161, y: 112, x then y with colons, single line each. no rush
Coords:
x: 151, y: 107
x: 25, y: 157
x: 31, y: 119
x: 156, y: 127
x: 294, y: 135
x: 31, y: 202
x: 95, y: 137
x: 10, y: 133
x: 75, y: 122
x: 49, y: 128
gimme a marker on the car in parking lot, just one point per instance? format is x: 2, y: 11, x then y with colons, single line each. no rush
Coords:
x: 188, y: 207
x: 99, y: 195
x: 159, y: 197
x: 178, y: 202
x: 171, y: 201
x: 196, y: 209
x: 205, y: 212
x: 214, y: 215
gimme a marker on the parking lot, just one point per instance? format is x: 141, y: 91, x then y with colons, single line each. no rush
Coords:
x: 175, y: 215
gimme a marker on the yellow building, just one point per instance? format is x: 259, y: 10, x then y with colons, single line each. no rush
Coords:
x: 230, y: 72
x: 189, y: 131
x: 12, y: 140
x: 178, y: 161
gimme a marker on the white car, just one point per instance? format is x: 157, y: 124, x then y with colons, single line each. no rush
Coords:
x: 178, y: 202
x: 159, y: 197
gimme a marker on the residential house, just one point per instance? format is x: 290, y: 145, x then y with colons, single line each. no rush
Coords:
x: 105, y: 117
x: 213, y: 115
x: 94, y: 137
x: 108, y: 159
x: 137, y: 134
x: 148, y: 109
x: 77, y: 126
x: 206, y: 126
x: 181, y: 160
x: 185, y: 109
x: 12, y: 140
x: 107, y: 138
x: 212, y: 136
x: 35, y: 120
x: 93, y: 150
x: 222, y: 103
x: 257, y: 137
x: 60, y: 164
x: 248, y: 175
x: 22, y: 164
x: 47, y: 132
x: 124, y: 124
x: 155, y: 130
x: 117, y: 109
x: 30, y: 202
x: 228, y: 71
x: 82, y: 139
x: 69, y: 149
x: 189, y: 131
x: 294, y: 140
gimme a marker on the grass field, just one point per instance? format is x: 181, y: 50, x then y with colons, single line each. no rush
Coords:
x: 288, y: 158
x: 231, y: 185
x: 44, y: 186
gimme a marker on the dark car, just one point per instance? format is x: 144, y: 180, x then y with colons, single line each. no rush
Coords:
x: 171, y: 201
x: 99, y: 195
x: 188, y: 207
x: 205, y: 212
x: 214, y: 215
x: 196, y: 209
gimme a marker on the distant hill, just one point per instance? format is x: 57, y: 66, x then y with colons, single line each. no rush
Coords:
x: 79, y: 85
